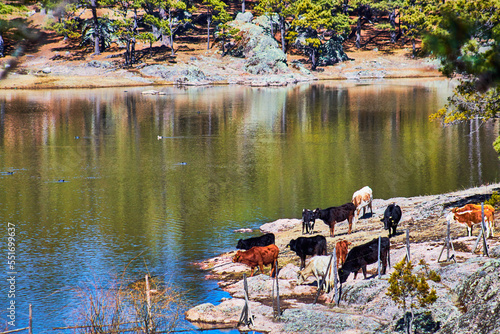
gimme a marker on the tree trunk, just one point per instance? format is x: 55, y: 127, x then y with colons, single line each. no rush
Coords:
x: 314, y: 61
x: 345, y: 7
x: 1, y: 46
x: 171, y: 32
x: 97, y: 37
x: 127, y: 53
x: 134, y: 32
x: 392, y: 19
x: 208, y: 31
x: 282, y: 27
x: 358, y: 33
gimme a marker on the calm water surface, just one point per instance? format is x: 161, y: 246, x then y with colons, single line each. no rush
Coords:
x: 229, y: 158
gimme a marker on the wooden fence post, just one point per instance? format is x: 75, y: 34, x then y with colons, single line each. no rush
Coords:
x: 483, y: 229
x: 30, y: 323
x: 378, y: 261
x: 246, y: 316
x: 326, y: 275
x: 447, y: 245
x: 148, y: 300
x: 408, y: 244
x: 277, y: 290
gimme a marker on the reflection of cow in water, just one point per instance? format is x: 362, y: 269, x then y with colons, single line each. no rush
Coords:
x: 365, y: 254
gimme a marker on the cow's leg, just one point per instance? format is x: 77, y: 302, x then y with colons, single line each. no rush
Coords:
x: 356, y: 273
x: 332, y: 229
x: 364, y: 270
x: 302, y: 262
x: 251, y: 273
x: 394, y: 230
x: 469, y: 230
x: 350, y: 219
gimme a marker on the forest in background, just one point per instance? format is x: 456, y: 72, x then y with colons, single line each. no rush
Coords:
x: 463, y: 34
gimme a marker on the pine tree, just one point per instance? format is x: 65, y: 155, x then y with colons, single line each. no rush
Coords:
x: 407, y: 288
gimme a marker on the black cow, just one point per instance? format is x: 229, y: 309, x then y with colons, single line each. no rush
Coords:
x: 336, y: 214
x: 263, y: 240
x: 307, y: 221
x: 304, y: 246
x: 362, y: 255
x: 392, y: 216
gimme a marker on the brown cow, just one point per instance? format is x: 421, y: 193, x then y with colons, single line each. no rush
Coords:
x: 258, y: 256
x: 470, y: 215
x: 341, y: 249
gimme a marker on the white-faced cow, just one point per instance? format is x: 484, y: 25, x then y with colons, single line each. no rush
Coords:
x: 304, y: 246
x: 392, y: 216
x: 360, y: 256
x: 362, y: 199
x: 336, y: 214
x: 470, y: 215
x: 307, y: 221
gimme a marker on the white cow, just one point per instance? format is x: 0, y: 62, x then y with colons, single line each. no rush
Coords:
x: 362, y: 199
x: 317, y: 267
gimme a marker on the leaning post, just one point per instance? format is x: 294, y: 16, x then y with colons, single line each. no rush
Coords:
x: 378, y: 261
x: 408, y: 244
x: 485, y: 245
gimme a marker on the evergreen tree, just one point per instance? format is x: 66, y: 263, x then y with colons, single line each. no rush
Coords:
x: 216, y: 12
x: 416, y: 15
x: 317, y: 18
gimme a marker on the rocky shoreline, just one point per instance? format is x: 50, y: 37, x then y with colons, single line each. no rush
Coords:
x: 468, y: 294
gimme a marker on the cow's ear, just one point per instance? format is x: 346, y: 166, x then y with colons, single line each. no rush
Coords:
x: 303, y: 210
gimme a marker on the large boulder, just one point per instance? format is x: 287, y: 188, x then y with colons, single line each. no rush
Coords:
x: 261, y: 51
x: 479, y: 299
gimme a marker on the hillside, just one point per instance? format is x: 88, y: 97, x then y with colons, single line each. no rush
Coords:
x: 51, y: 62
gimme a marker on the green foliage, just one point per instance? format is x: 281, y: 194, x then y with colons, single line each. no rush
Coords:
x: 106, y: 30
x: 406, y: 288
x: 466, y: 37
x: 313, y: 17
x: 495, y: 196
x: 12, y: 8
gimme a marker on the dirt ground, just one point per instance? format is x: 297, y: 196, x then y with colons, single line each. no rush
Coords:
x: 49, y: 61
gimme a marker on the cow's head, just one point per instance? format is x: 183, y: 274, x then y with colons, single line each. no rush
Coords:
x: 292, y: 244
x: 343, y: 274
x: 240, y: 244
x: 451, y: 217
x: 300, y: 278
x: 315, y: 213
x: 237, y: 256
x: 388, y: 221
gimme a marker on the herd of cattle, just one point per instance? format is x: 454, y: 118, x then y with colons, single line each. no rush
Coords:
x: 260, y: 251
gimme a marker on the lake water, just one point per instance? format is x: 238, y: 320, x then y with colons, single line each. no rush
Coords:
x: 228, y: 158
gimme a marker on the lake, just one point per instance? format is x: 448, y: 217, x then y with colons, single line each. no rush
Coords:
x: 96, y: 181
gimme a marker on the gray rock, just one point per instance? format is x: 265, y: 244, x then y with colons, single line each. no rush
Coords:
x: 261, y: 51
x: 245, y: 17
x: 480, y: 302
x: 495, y: 252
x: 46, y: 70
x: 187, y: 75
